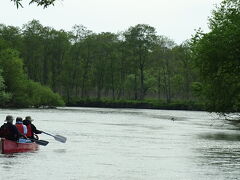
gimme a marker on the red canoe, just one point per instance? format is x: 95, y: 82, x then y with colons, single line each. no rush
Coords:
x: 9, y: 147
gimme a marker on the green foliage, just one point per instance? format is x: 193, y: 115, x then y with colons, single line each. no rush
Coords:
x: 149, y: 83
x: 12, y: 67
x: 24, y: 92
x: 130, y: 82
x: 217, y: 55
x: 14, y: 77
x: 4, y: 96
x: 39, y: 95
x: 141, y: 40
x: 44, y: 3
x: 136, y: 64
x: 197, y: 88
x: 10, y: 37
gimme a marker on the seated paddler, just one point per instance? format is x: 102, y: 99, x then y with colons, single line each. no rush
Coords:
x: 23, y: 130
x: 20, y: 126
x: 31, y: 129
x: 9, y: 131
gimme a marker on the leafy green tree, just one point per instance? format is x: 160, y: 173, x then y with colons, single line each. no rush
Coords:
x: 14, y: 76
x: 32, y: 51
x: 130, y: 84
x: 123, y: 66
x: 110, y: 44
x: 217, y: 55
x: 24, y: 92
x: 43, y: 51
x: 87, y: 58
x: 141, y: 38
x: 4, y: 96
x: 11, y: 36
x: 164, y: 67
x: 99, y: 68
x: 186, y: 73
x: 56, y: 46
x: 76, y: 63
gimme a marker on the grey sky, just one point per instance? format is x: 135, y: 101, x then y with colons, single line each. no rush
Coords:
x: 176, y: 19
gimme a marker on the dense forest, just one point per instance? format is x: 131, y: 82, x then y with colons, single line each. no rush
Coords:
x: 135, y: 66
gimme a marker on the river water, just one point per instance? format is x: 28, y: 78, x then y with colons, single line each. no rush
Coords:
x: 126, y: 144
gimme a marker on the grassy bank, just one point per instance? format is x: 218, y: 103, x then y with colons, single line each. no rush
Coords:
x: 145, y: 104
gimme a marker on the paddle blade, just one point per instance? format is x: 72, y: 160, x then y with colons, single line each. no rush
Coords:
x: 60, y: 138
x: 40, y: 142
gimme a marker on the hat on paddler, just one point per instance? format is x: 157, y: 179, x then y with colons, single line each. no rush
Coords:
x: 28, y: 118
x: 9, y: 118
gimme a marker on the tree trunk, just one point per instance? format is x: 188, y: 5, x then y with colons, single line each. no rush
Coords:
x: 159, y: 84
x: 135, y: 87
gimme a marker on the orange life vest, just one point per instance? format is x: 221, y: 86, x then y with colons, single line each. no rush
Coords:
x: 20, y: 128
x: 29, y: 131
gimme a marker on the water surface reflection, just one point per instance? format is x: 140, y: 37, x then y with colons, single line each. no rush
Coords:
x: 127, y: 144
x: 221, y: 136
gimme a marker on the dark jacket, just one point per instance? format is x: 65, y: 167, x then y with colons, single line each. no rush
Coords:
x: 9, y: 131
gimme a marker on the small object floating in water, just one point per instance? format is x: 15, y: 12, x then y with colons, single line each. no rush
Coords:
x: 173, y: 119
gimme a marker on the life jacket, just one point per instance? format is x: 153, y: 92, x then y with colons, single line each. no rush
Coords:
x: 29, y: 131
x: 20, y: 128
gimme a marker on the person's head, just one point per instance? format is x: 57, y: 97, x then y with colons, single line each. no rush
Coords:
x: 19, y: 119
x: 9, y: 119
x: 28, y: 118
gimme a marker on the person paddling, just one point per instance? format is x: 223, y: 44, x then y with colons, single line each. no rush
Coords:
x: 20, y: 126
x: 9, y: 131
x: 31, y: 129
x: 23, y: 131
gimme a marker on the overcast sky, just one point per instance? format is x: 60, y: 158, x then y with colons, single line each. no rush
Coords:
x: 176, y: 19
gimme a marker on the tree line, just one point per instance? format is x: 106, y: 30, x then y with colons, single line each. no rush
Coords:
x: 133, y: 65
x: 136, y: 64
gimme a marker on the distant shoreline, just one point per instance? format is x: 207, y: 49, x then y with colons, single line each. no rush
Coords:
x: 135, y: 104
x: 191, y: 106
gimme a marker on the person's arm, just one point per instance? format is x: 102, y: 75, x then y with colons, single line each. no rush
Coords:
x: 35, y: 130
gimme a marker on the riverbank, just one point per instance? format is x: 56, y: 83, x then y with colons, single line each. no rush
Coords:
x: 144, y: 104
x: 135, y: 104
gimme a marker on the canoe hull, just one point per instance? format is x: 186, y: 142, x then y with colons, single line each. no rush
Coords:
x: 9, y: 147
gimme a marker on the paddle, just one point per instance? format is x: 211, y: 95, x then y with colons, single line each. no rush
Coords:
x: 57, y: 137
x: 40, y: 142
